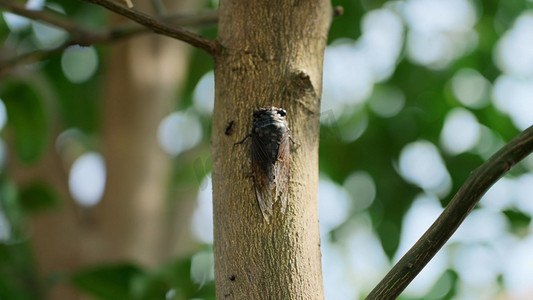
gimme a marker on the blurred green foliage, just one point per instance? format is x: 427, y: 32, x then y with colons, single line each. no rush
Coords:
x: 127, y: 281
x: 27, y: 117
x: 18, y: 276
x: 77, y: 105
x: 36, y: 197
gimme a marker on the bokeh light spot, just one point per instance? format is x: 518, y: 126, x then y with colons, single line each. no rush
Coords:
x: 381, y: 41
x: 421, y: 164
x: 333, y: 205
x: 470, y: 88
x: 203, y: 267
x: 49, y: 36
x: 16, y: 22
x: 3, y: 115
x: 79, y: 63
x: 493, y: 223
x: 351, y: 68
x: 348, y: 79
x: 441, y: 31
x: 518, y: 268
x: 514, y: 96
x: 499, y: 196
x: 514, y: 52
x: 524, y: 192
x: 202, y: 218
x: 362, y: 188
x: 5, y: 227
x: 179, y: 131
x: 387, y: 101
x: 87, y: 179
x: 476, y: 264
x: 204, y: 94
x: 461, y: 131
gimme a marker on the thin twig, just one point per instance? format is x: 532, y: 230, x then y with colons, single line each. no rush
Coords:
x: 158, y: 26
x: 84, y: 36
x: 8, y: 64
x: 462, y: 203
x: 113, y: 35
x: 48, y: 16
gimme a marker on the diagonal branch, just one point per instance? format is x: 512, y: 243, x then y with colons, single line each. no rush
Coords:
x: 158, y: 26
x: 462, y: 203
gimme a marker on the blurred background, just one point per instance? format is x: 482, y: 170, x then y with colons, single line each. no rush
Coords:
x: 105, y: 188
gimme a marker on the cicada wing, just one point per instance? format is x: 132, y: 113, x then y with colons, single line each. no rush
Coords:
x: 282, y: 172
x: 263, y: 183
x: 264, y: 197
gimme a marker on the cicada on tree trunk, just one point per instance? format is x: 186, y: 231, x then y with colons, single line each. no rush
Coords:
x: 270, y: 158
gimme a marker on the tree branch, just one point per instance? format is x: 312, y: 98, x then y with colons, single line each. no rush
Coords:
x: 158, y: 26
x: 76, y: 30
x: 26, y: 58
x: 85, y: 36
x: 462, y: 203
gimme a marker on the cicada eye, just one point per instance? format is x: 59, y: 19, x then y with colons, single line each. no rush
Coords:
x: 257, y: 113
x: 282, y: 112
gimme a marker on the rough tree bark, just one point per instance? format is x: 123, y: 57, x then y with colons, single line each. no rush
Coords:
x: 270, y: 53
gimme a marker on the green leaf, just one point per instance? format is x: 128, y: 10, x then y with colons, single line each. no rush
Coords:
x: 26, y: 116
x: 173, y: 281
x: 174, y: 277
x: 109, y: 282
x: 37, y: 196
x: 519, y: 221
x: 12, y: 210
x: 18, y: 277
x: 445, y: 287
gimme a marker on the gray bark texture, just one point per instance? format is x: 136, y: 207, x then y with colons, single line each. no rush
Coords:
x: 269, y: 53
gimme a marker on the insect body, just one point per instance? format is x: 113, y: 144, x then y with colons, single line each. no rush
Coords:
x: 229, y: 128
x: 270, y: 158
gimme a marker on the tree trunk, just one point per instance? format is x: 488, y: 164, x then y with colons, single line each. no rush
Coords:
x: 135, y: 216
x: 134, y: 220
x: 271, y: 53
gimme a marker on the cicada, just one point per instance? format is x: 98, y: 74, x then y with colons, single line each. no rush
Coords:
x: 270, y: 158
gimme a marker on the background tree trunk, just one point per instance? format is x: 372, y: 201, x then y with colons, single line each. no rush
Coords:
x: 271, y: 54
x: 146, y: 74
x: 134, y: 220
